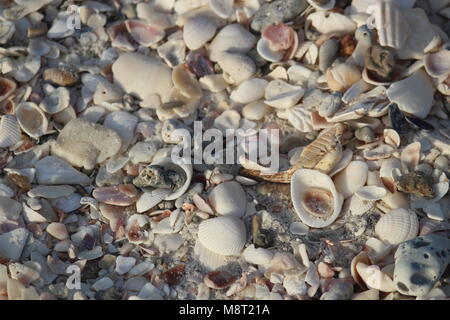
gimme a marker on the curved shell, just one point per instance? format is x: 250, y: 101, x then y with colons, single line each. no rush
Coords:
x: 56, y: 101
x: 197, y: 31
x: 374, y: 278
x: 392, y: 137
x: 225, y: 235
x: 264, y: 50
x: 386, y: 172
x: 371, y: 193
x: 144, y: 33
x: 397, y: 226
x: 249, y: 91
x: 438, y: 64
x: 393, y: 28
x: 31, y: 119
x: 9, y: 131
x: 282, y: 95
x: 357, y: 206
x: 223, y: 8
x: 6, y: 88
x: 331, y: 22
x: 410, y: 156
x: 342, y: 76
x: 186, y: 82
x: 315, y: 198
x: 353, y: 177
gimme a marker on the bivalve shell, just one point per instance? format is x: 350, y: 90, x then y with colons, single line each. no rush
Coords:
x: 9, y: 131
x: 353, y: 177
x: 197, y: 31
x: 397, y: 226
x: 31, y: 119
x: 281, y: 95
x: 393, y: 28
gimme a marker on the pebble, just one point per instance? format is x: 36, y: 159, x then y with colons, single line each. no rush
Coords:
x: 12, y: 243
x: 330, y: 104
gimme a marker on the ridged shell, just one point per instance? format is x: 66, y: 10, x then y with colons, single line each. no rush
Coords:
x: 393, y: 28
x: 397, y: 226
x: 9, y: 131
x: 315, y: 198
x: 31, y: 119
x: 224, y: 235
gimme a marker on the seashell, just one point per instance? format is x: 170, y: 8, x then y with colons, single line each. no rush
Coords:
x: 7, y: 87
x: 391, y: 137
x: 148, y: 200
x: 25, y: 70
x: 124, y: 124
x: 266, y: 52
x: 371, y: 294
x: 308, y: 52
x: 107, y: 92
x: 379, y: 65
x: 56, y: 101
x: 7, y: 29
x: 84, y: 144
x: 279, y: 36
x: 410, y: 156
x: 381, y: 152
x: 371, y: 193
x: 120, y: 195
x: 132, y: 72
x: 355, y: 91
x: 124, y: 264
x: 225, y: 235
x: 213, y: 82
x: 437, y: 64
x: 186, y: 82
x: 236, y: 66
x: 386, y: 172
x: 257, y: 256
x: 228, y: 198
x: 397, y: 226
x: 255, y: 110
x: 223, y: 8
x: 352, y: 178
x: 392, y: 27
x: 233, y: 38
x: 281, y: 95
x: 327, y: 22
x: 197, y: 31
x: 346, y: 157
x: 322, y: 4
x: 315, y: 198
x: 51, y: 192
x: 249, y: 91
x: 144, y: 33
x: 31, y: 119
x: 328, y: 52
x: 298, y: 228
x: 57, y: 230
x: 374, y: 278
x: 342, y: 76
x: 61, y: 76
x: 405, y: 93
x: 173, y: 52
x: 9, y: 131
x: 358, y: 206
x: 219, y: 279
x: 428, y: 252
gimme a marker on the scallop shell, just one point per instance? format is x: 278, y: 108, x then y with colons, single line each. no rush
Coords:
x: 197, y: 31
x: 31, y: 119
x: 353, y: 177
x: 7, y: 87
x: 342, y: 76
x: 9, y: 131
x: 225, y: 235
x: 438, y: 64
x: 315, y: 198
x: 393, y: 28
x: 56, y: 101
x: 397, y: 226
x: 281, y: 95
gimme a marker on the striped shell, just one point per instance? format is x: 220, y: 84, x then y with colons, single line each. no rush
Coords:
x: 224, y: 235
x: 397, y: 226
x: 393, y: 28
x: 9, y: 131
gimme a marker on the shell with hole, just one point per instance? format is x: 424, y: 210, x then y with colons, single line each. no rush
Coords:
x: 315, y: 198
x: 397, y: 226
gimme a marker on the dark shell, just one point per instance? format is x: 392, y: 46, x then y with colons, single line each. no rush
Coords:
x: 419, y: 124
x: 398, y: 119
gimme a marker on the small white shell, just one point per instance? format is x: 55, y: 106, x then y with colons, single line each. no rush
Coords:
x: 381, y: 152
x: 223, y: 8
x: 228, y: 199
x: 331, y: 22
x: 397, y: 226
x: 197, y: 31
x: 315, y: 198
x: 31, y: 119
x: 353, y: 177
x: 249, y: 91
x: 237, y: 67
x: 56, y: 101
x: 391, y: 137
x: 264, y: 50
x: 224, y: 235
x: 233, y: 38
x: 9, y: 131
x: 371, y: 193
x: 374, y: 278
x: 282, y: 95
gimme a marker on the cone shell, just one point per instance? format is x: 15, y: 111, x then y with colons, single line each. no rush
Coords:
x: 31, y: 119
x: 224, y: 235
x: 397, y: 226
x: 9, y: 131
x: 315, y: 198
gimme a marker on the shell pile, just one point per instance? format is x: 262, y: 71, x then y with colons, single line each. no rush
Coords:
x: 89, y: 101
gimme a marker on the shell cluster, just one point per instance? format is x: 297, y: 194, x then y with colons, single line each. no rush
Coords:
x: 92, y: 103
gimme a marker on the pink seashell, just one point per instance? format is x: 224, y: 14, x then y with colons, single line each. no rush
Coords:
x: 114, y: 214
x: 120, y: 38
x: 120, y: 195
x: 280, y: 36
x: 144, y: 33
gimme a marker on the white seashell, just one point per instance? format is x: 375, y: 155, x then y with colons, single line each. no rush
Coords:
x: 9, y: 131
x: 144, y: 33
x: 197, y: 31
x: 255, y: 110
x: 386, y: 172
x: 57, y: 230
x: 148, y: 200
x: 124, y: 124
x: 298, y: 117
x: 236, y: 66
x: 51, y: 192
x: 208, y: 258
x: 31, y: 119
x: 353, y: 177
x: 308, y: 52
x: 342, y: 76
x: 391, y: 137
x: 298, y: 74
x: 371, y: 193
x: 258, y: 256
x: 133, y: 71
x: 346, y: 157
x: 315, y: 198
x: 229, y: 119
x: 264, y: 50
x: 331, y: 22
x: 232, y: 38
x: 397, y: 226
x: 358, y: 206
x: 225, y: 235
x: 281, y: 95
x: 374, y: 278
x: 357, y: 89
x: 410, y: 156
x: 413, y: 95
x: 249, y: 91
x: 393, y: 28
x: 56, y: 101
x: 186, y: 82
x: 437, y: 64
x: 223, y: 8
x: 228, y: 198
x: 213, y: 82
x: 52, y: 170
x: 322, y: 5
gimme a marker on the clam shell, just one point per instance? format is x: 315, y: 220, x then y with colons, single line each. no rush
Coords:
x: 381, y: 152
x: 264, y: 50
x: 353, y: 177
x: 9, y: 131
x: 393, y: 28
x: 224, y: 235
x: 228, y: 198
x: 342, y: 76
x: 232, y: 38
x: 438, y: 64
x: 197, y: 31
x: 397, y: 226
x: 315, y: 198
x: 31, y: 119
x: 249, y: 91
x: 371, y: 193
x: 56, y: 101
x: 392, y: 137
x: 281, y: 95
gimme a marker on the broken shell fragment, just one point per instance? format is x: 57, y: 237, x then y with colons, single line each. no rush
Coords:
x: 121, y: 195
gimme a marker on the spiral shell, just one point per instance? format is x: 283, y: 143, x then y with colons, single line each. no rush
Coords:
x: 9, y: 131
x: 225, y: 235
x: 397, y: 226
